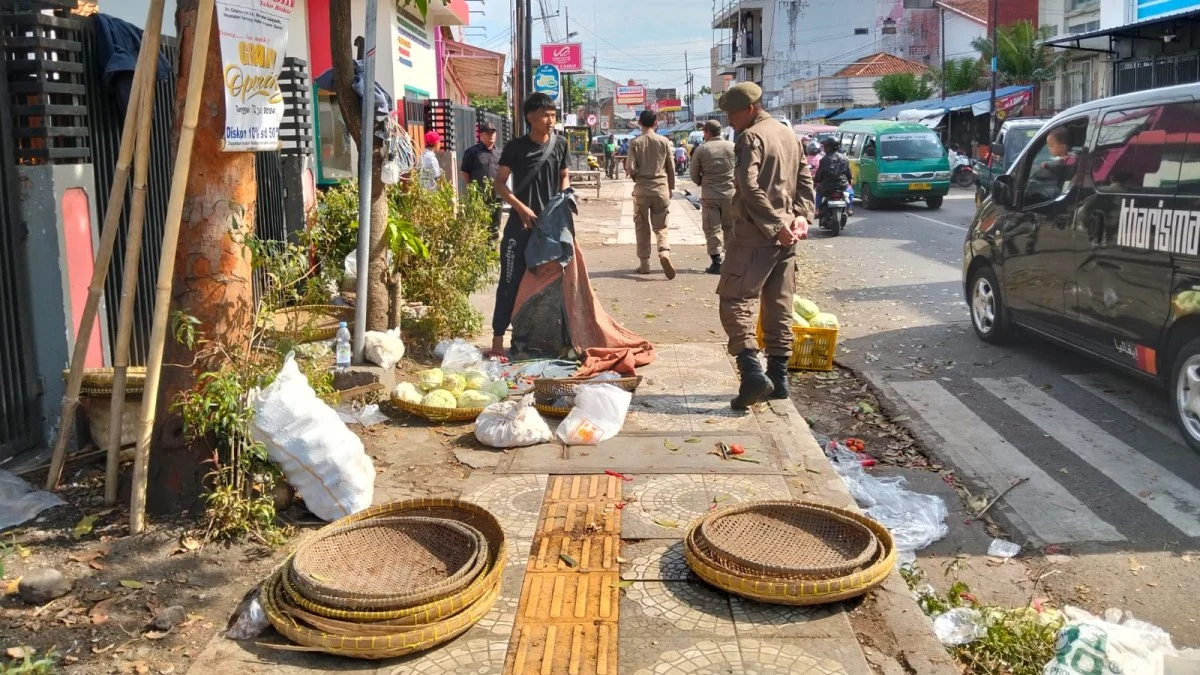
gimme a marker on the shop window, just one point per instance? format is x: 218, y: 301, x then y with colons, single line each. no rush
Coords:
x: 1142, y: 150
x: 337, y: 148
x: 862, y: 31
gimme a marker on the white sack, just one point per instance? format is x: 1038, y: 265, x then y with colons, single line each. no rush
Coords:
x: 511, y: 424
x: 383, y: 349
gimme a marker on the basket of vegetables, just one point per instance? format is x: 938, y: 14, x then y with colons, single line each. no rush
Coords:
x: 440, y: 396
x: 814, y: 336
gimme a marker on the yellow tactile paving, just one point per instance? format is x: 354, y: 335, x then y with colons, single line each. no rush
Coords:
x: 567, y: 618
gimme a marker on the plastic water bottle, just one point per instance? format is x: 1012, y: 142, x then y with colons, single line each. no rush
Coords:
x: 341, y: 347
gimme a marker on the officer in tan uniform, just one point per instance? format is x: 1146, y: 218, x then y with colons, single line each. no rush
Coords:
x: 771, y: 211
x: 651, y: 164
x: 712, y: 170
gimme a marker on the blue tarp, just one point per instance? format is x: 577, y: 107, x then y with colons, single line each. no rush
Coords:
x: 951, y: 103
x: 854, y: 114
x: 819, y: 114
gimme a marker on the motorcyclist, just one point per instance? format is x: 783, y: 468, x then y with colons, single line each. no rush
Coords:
x: 833, y: 174
x: 812, y: 155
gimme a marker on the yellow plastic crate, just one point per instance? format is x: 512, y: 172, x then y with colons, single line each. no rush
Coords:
x: 812, y: 348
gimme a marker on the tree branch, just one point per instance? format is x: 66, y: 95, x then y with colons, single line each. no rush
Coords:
x: 340, y: 46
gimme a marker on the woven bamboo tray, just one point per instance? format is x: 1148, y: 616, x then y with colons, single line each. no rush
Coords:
x: 308, y: 323
x: 388, y: 563
x: 553, y: 411
x: 98, y: 381
x: 787, y: 538
x: 548, y: 389
x: 770, y: 589
x: 383, y: 646
x: 438, y: 414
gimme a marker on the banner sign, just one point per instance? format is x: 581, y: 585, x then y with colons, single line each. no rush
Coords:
x: 634, y: 94
x: 546, y: 79
x: 253, y: 37
x: 567, y: 56
x: 668, y: 105
x: 585, y: 82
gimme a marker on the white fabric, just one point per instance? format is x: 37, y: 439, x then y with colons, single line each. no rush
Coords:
x: 320, y: 457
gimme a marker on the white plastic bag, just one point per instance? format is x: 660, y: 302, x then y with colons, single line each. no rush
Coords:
x: 383, y: 349
x: 350, y: 270
x: 959, y: 626
x: 320, y: 457
x: 598, y: 415
x: 511, y: 424
x: 916, y: 520
x: 1116, y: 643
x: 460, y: 355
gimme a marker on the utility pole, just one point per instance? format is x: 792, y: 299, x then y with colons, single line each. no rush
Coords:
x: 942, y: 10
x: 566, y: 76
x: 596, y: 75
x: 366, y: 157
x: 523, y: 62
x: 994, y: 4
x: 688, y: 89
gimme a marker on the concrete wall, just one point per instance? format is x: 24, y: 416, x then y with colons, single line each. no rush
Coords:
x: 41, y: 191
x: 960, y: 31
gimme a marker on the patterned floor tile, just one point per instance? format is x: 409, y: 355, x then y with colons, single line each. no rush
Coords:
x: 658, y: 656
x: 460, y: 657
x: 654, y: 560
x: 781, y: 656
x: 516, y: 500
x: 761, y: 620
x: 672, y: 608
x: 725, y: 489
x: 664, y: 506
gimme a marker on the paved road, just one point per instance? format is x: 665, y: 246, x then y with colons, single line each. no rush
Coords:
x: 1106, y: 468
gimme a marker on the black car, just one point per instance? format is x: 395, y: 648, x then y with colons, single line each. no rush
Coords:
x: 1092, y: 239
x: 1012, y: 137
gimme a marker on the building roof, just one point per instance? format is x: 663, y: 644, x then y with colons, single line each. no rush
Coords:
x: 975, y: 10
x: 877, y: 65
x: 951, y: 103
x: 480, y: 71
x: 855, y: 114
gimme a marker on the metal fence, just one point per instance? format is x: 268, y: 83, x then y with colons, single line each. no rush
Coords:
x: 1152, y: 73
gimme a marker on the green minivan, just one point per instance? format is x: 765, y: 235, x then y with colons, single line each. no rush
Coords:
x: 895, y: 162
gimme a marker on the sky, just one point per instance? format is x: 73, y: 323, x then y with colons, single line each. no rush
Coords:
x: 632, y: 39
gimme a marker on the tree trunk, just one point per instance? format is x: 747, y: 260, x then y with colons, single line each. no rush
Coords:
x: 341, y: 43
x: 212, y: 271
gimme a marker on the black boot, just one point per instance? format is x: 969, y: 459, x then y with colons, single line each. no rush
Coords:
x: 715, y: 267
x: 755, y: 386
x: 777, y: 371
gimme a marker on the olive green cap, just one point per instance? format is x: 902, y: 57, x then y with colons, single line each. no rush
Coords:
x: 741, y: 96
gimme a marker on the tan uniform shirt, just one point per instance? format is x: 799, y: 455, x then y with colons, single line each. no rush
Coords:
x: 651, y: 165
x: 773, y: 182
x: 712, y: 169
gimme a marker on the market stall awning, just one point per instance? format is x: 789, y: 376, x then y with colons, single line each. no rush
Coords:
x: 976, y: 100
x: 854, y: 114
x: 1099, y: 40
x: 819, y: 114
x: 480, y: 71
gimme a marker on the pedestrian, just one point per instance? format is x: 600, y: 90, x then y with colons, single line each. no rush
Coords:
x: 610, y: 157
x: 537, y: 165
x: 772, y: 206
x: 650, y: 164
x: 712, y: 170
x: 479, y: 165
x: 431, y: 170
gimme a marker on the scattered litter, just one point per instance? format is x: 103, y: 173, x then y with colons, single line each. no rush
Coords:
x: 19, y: 502
x: 1000, y: 548
x: 1135, y: 566
x: 368, y: 416
x: 1116, y: 643
x: 457, y: 354
x: 250, y: 620
x: 959, y: 626
x: 616, y: 474
x: 736, y: 449
x: 512, y: 424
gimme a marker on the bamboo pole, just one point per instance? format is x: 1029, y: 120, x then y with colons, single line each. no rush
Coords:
x: 133, y: 254
x: 166, y: 265
x: 108, y: 237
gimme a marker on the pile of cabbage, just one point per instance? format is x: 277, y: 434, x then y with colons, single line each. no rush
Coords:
x: 806, y: 314
x: 472, y: 388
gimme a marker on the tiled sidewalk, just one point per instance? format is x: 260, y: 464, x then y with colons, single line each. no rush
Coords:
x: 683, y: 219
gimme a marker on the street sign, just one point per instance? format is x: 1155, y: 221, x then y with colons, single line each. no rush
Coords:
x: 547, y: 80
x: 631, y: 95
x: 586, y: 82
x: 591, y: 120
x: 566, y: 56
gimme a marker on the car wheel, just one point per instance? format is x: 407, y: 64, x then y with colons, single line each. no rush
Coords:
x: 1185, y: 389
x: 869, y: 201
x: 988, y: 314
x: 934, y: 202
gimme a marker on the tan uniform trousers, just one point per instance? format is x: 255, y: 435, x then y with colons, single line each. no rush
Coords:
x: 716, y: 217
x: 765, y: 274
x: 650, y: 212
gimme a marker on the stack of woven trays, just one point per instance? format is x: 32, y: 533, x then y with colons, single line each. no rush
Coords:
x: 554, y: 397
x: 790, y: 552
x: 392, y: 580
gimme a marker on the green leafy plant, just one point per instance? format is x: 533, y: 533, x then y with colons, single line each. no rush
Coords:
x: 902, y: 88
x: 961, y: 75
x: 333, y: 232
x: 1021, y: 56
x: 493, y: 104
x: 28, y: 665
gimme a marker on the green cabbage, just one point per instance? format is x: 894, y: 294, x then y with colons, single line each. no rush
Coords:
x: 439, y: 398
x: 798, y: 320
x: 454, y: 383
x: 431, y: 379
x: 824, y: 320
x: 499, y: 389
x: 477, y: 380
x: 475, y: 399
x: 805, y: 307
x: 407, y: 392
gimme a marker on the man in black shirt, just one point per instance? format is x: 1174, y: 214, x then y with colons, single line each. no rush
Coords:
x: 537, y: 165
x: 479, y: 164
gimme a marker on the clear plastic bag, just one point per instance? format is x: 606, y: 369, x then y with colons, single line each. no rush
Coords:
x: 1115, y: 643
x: 511, y: 424
x: 250, y: 623
x: 959, y: 626
x: 459, y: 355
x: 598, y: 415
x: 1002, y: 548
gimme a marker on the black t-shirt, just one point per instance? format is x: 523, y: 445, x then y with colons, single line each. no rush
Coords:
x: 480, y: 162
x: 521, y: 156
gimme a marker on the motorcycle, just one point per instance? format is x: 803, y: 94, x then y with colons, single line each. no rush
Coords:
x: 833, y: 212
x: 962, y: 174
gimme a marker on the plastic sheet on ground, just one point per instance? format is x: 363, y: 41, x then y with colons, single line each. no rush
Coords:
x: 1116, y: 643
x: 916, y: 520
x: 19, y: 502
x: 959, y: 626
x: 1002, y: 548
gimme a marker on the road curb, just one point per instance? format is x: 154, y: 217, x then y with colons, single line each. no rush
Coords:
x: 912, y: 630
